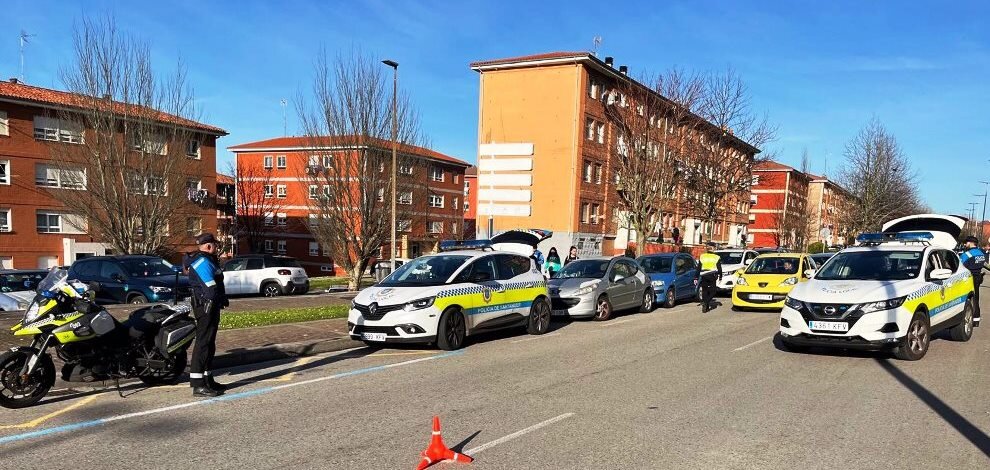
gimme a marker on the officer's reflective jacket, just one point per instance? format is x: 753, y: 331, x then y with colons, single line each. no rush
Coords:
x: 205, y: 276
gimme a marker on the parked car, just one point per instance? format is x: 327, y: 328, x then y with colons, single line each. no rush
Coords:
x: 732, y: 261
x: 17, y: 287
x: 674, y: 276
x: 267, y: 275
x: 765, y: 283
x: 821, y: 258
x: 595, y: 287
x: 133, y: 279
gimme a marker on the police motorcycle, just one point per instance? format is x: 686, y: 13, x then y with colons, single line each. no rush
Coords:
x: 150, y: 345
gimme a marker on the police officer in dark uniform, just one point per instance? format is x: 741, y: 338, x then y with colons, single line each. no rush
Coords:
x: 208, y: 297
x: 973, y: 259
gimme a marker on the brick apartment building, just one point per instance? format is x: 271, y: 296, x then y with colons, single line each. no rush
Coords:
x: 470, y: 202
x: 827, y: 202
x: 226, y: 210
x: 547, y: 155
x: 36, y: 229
x: 429, y: 181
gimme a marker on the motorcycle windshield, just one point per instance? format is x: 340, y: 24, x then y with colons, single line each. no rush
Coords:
x: 52, y: 280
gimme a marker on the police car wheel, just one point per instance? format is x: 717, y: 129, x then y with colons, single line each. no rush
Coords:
x: 964, y: 331
x: 539, y: 317
x: 915, y: 344
x: 603, y: 309
x: 648, y: 299
x: 451, y: 330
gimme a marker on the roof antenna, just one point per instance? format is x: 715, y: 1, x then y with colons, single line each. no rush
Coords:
x: 598, y: 42
x: 24, y: 40
x: 285, y: 127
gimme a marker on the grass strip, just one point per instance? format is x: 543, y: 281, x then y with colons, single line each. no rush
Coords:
x: 233, y: 320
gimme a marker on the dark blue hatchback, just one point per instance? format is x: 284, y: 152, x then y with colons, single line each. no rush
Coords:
x: 133, y: 279
x: 674, y: 276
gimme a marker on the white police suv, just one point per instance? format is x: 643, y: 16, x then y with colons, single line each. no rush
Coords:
x: 894, y: 290
x: 465, y: 289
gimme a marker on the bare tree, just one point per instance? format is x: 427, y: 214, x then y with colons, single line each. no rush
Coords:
x: 257, y: 206
x: 880, y: 178
x: 651, y: 127
x: 348, y: 128
x: 719, y: 163
x: 126, y: 142
x: 805, y: 161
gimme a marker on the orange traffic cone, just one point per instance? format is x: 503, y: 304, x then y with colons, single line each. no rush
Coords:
x: 437, y: 451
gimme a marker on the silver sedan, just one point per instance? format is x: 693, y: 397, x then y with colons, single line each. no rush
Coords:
x: 596, y: 287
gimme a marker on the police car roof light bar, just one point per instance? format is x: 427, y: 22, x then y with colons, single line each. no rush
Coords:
x: 454, y: 245
x: 876, y: 238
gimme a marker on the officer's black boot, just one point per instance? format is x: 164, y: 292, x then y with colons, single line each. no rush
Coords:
x: 219, y: 387
x: 205, y: 391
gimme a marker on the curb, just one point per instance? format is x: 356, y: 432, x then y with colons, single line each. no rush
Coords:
x: 240, y: 357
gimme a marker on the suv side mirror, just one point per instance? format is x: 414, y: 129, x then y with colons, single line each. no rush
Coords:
x: 940, y: 274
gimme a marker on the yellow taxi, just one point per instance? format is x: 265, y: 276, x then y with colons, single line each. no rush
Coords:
x: 765, y: 283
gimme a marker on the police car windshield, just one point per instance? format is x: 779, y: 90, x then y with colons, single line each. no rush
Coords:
x: 872, y: 266
x: 425, y: 271
x: 730, y: 257
x: 656, y: 264
x: 584, y: 269
x: 773, y: 265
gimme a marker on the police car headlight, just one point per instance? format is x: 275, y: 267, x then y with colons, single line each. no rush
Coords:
x: 793, y: 303
x: 882, y: 305
x: 741, y: 281
x: 657, y: 283
x: 789, y: 282
x: 419, y: 304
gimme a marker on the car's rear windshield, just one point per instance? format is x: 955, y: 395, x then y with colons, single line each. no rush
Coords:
x: 656, y: 264
x: 584, y: 269
x: 774, y: 265
x: 425, y: 271
x: 19, y: 282
x: 282, y: 263
x: 147, y: 267
x: 730, y: 257
x: 872, y: 266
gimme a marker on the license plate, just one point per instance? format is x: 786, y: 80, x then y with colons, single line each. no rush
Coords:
x: 760, y: 296
x: 558, y: 312
x: 840, y: 326
x: 373, y: 336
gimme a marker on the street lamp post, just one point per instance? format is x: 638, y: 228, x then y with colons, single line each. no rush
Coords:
x: 395, y: 144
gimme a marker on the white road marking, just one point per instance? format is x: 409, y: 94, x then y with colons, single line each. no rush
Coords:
x: 536, y: 337
x: 754, y: 343
x: 503, y: 440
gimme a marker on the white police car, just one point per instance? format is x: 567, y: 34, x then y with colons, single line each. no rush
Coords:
x: 893, y: 291
x: 442, y: 298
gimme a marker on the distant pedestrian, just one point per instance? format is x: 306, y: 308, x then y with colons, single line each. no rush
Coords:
x: 974, y: 260
x: 553, y: 264
x: 572, y: 255
x: 660, y: 236
x: 537, y: 256
x: 675, y: 233
x: 711, y: 272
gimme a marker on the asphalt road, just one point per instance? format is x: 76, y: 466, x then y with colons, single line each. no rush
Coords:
x: 668, y: 389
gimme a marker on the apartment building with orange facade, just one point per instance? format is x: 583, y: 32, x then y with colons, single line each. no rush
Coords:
x: 547, y: 156
x: 779, y: 203
x: 430, y: 194
x: 470, y: 202
x: 36, y: 229
x: 827, y: 203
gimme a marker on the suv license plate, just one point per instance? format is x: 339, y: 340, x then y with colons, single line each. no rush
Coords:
x: 840, y: 326
x: 761, y: 296
x: 373, y: 336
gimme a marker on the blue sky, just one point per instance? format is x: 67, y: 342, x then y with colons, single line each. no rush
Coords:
x: 820, y: 71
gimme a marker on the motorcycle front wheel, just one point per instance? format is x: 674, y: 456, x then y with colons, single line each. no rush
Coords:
x: 19, y: 391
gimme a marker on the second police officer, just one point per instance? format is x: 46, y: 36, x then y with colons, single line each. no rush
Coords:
x: 974, y: 259
x: 208, y: 298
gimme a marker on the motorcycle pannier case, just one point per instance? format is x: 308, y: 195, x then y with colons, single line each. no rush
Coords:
x: 175, y: 335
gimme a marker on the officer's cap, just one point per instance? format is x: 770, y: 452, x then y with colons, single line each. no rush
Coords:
x: 205, y: 238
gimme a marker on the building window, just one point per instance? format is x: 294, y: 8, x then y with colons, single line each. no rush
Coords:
x: 53, y: 177
x: 281, y: 161
x: 467, y: 205
x: 587, y: 171
x: 585, y: 212
x: 595, y: 214
x: 314, y: 249
x: 47, y: 262
x: 455, y: 203
x: 149, y: 143
x: 436, y: 174
x: 5, y: 220
x: 4, y: 172
x: 326, y: 268
x: 57, y: 130
x: 601, y: 133
x: 593, y: 89
x: 753, y: 198
x: 435, y: 227
x: 457, y: 179
x: 405, y: 198
x: 269, y: 190
x: 282, y: 219
x: 4, y: 123
x: 453, y: 228
x: 194, y: 184
x: 590, y: 127
x: 381, y: 194
x: 313, y: 161
x: 281, y: 191
x: 192, y: 149
x: 313, y: 220
x: 269, y: 246
x: 598, y: 174
x: 404, y: 225
x: 327, y: 161
x: 467, y: 187
x: 269, y: 162
x: 54, y: 222
x: 756, y: 180
x: 194, y: 225
x: 269, y: 218
x: 281, y: 246
x: 406, y: 169
x: 326, y: 191
x: 313, y: 191
x: 436, y: 200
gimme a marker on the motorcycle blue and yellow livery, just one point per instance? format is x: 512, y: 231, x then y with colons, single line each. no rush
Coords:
x: 150, y: 345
